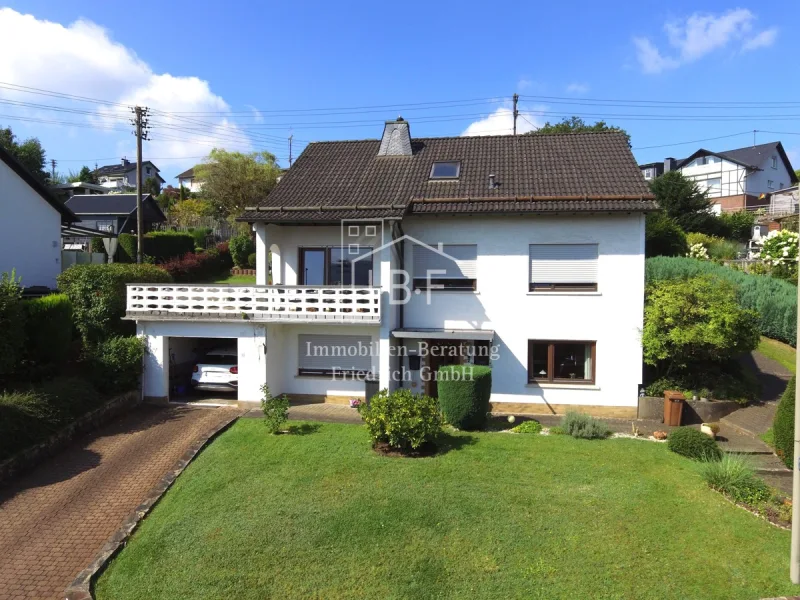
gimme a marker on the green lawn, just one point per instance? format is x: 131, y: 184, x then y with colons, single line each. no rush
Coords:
x: 497, y: 516
x: 779, y: 351
x: 236, y: 279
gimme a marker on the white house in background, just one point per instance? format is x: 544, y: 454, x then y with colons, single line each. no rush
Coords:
x: 188, y: 180
x: 734, y: 179
x: 393, y: 257
x: 122, y: 176
x: 30, y: 226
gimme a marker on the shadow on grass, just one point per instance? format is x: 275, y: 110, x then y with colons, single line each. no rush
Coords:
x: 303, y: 429
x: 448, y: 443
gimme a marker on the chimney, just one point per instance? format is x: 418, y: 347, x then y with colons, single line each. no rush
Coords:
x: 125, y: 162
x: 492, y: 181
x: 396, y: 140
x: 669, y: 164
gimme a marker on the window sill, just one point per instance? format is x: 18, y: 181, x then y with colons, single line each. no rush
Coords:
x: 421, y: 291
x: 565, y: 293
x: 564, y: 386
x: 332, y: 377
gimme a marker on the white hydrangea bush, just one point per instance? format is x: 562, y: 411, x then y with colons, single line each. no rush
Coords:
x: 780, y: 248
x: 698, y: 251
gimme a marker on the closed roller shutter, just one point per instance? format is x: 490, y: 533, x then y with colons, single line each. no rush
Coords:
x: 563, y: 263
x: 461, y: 262
x: 342, y: 352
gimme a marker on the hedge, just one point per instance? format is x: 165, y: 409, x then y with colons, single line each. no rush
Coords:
x: 12, y: 323
x: 241, y: 247
x: 201, y: 266
x: 48, y: 328
x: 464, y: 392
x: 775, y: 300
x: 117, y: 363
x: 98, y: 296
x: 158, y: 245
x: 783, y: 425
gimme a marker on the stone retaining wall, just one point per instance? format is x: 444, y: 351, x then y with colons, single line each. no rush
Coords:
x: 30, y: 457
x: 694, y: 411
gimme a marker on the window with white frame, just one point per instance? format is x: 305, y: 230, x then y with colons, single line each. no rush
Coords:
x: 770, y: 184
x: 714, y: 184
x: 334, y: 354
x: 563, y: 267
x: 446, y: 169
x: 445, y: 267
x: 649, y: 172
x: 105, y: 226
x: 774, y: 162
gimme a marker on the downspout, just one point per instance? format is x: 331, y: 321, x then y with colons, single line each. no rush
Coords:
x: 402, y: 252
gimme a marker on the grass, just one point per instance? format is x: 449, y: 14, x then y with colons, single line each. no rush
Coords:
x: 497, y: 516
x: 768, y: 437
x: 783, y: 353
x: 237, y: 279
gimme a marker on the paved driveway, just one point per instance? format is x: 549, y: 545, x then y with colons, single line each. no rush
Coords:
x: 55, y: 519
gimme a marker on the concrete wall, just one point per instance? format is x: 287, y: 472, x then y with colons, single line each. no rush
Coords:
x: 30, y: 232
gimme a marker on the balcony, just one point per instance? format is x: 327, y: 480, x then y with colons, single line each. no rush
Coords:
x: 265, y: 303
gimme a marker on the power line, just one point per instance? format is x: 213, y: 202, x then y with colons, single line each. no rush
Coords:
x: 720, y: 137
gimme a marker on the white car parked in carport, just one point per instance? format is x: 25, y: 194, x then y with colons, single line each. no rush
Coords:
x: 217, y: 371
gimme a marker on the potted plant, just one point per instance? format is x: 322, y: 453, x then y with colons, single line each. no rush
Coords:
x: 710, y: 429
x: 355, y: 402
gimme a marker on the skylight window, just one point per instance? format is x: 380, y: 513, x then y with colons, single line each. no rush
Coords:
x: 446, y: 169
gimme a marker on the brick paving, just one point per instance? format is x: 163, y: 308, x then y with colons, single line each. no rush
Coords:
x: 56, y: 518
x: 325, y: 413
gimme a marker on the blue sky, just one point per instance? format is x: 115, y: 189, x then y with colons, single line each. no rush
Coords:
x: 214, y: 71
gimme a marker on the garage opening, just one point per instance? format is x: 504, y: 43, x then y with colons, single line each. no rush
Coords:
x: 203, y: 370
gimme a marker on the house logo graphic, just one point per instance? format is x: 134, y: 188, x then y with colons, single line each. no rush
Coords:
x: 363, y: 241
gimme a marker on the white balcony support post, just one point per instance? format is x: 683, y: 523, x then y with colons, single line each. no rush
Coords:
x: 384, y: 260
x: 253, y: 361
x: 262, y: 252
x: 155, y: 376
x: 277, y: 271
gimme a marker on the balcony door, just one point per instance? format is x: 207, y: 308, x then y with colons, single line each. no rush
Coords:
x: 312, y: 266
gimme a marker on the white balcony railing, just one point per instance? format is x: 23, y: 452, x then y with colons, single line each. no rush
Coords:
x: 255, y: 302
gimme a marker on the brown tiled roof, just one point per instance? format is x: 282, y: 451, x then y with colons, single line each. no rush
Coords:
x: 569, y: 172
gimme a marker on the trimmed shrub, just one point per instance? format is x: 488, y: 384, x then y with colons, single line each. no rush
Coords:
x: 195, y: 268
x: 528, y: 427
x: 275, y: 409
x: 663, y: 236
x: 241, y: 246
x: 583, y: 426
x: 734, y: 477
x: 98, y: 296
x: 774, y: 300
x: 48, y: 328
x: 96, y: 245
x: 160, y: 246
x: 12, y: 323
x: 464, y: 392
x: 251, y: 260
x: 402, y: 420
x: 783, y: 425
x: 200, y: 235
x: 694, y: 444
x: 117, y: 364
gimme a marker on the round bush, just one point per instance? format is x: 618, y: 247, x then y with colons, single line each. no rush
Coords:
x: 241, y: 247
x: 783, y: 425
x: 693, y: 444
x: 464, y: 392
x: 251, y: 260
x: 403, y: 420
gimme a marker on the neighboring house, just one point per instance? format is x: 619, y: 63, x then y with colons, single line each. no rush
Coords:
x: 188, y: 180
x: 65, y: 191
x: 115, y: 213
x: 30, y: 225
x: 652, y: 170
x: 123, y: 175
x: 785, y: 201
x: 393, y: 257
x: 736, y: 179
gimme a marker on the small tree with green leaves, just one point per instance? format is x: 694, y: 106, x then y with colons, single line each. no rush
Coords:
x: 275, y: 409
x: 696, y: 320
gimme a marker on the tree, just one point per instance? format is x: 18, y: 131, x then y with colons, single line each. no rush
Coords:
x: 234, y: 180
x: 188, y: 213
x: 30, y: 153
x: 151, y: 186
x: 167, y: 198
x: 797, y: 173
x: 683, y: 201
x: 663, y: 236
x: 85, y: 175
x: 577, y: 125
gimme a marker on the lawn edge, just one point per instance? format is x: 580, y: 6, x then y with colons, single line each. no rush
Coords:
x: 81, y: 587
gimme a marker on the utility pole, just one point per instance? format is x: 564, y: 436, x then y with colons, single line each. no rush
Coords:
x: 290, y: 150
x: 140, y: 122
x: 516, y: 112
x: 794, y: 563
x: 53, y: 163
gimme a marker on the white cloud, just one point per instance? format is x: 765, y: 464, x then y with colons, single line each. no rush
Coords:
x: 761, y: 40
x: 501, y: 122
x: 577, y: 88
x: 524, y: 83
x: 83, y: 59
x: 700, y: 34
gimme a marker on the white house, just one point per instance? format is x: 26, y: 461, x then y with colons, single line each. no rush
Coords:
x: 122, y: 176
x: 30, y: 225
x: 735, y: 179
x: 188, y: 180
x: 393, y: 257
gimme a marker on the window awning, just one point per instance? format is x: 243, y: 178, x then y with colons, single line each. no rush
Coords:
x: 484, y: 335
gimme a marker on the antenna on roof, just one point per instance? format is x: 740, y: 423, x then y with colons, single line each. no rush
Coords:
x: 754, y: 137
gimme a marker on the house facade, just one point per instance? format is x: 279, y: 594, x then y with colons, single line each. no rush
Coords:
x: 188, y: 180
x: 738, y: 179
x: 115, y: 213
x: 122, y: 176
x: 391, y: 258
x: 30, y: 226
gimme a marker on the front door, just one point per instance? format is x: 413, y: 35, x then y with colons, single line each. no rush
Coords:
x: 440, y: 354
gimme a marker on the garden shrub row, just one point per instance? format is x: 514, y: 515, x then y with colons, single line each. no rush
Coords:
x: 464, y: 392
x: 12, y: 323
x: 48, y: 329
x: 201, y: 266
x: 160, y: 246
x: 783, y: 425
x: 98, y: 296
x: 774, y: 300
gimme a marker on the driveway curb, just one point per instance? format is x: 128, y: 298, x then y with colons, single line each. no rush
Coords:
x: 81, y: 587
